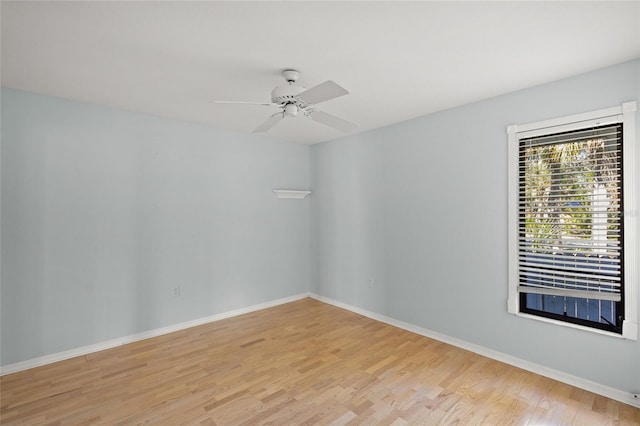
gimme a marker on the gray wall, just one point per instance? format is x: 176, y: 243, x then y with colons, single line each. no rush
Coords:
x: 420, y: 208
x: 104, y: 212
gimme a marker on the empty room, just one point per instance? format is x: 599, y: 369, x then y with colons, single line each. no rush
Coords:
x: 300, y: 212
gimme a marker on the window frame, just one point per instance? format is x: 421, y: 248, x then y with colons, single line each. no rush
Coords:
x: 625, y: 114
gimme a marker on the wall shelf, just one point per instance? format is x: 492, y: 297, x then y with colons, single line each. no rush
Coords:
x: 291, y: 193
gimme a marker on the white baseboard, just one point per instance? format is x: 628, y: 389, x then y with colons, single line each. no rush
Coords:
x: 96, y: 347
x: 551, y: 373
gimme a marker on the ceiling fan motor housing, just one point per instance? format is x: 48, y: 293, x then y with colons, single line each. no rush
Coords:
x: 285, y: 94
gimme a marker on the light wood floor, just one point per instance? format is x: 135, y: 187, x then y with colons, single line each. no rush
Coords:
x: 301, y: 363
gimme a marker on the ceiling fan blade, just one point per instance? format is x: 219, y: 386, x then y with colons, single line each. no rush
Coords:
x: 243, y: 103
x: 332, y: 121
x: 322, y: 92
x: 271, y: 121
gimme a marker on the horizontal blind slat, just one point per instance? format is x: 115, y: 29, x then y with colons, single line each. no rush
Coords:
x: 610, y: 246
x: 570, y: 277
x: 531, y: 266
x: 571, y: 293
x: 611, y: 132
x: 533, y: 282
x: 551, y: 257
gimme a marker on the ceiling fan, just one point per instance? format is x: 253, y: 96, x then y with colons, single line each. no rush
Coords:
x: 293, y: 99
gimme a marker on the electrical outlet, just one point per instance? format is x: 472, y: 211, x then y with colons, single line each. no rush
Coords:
x: 370, y: 283
x: 177, y: 291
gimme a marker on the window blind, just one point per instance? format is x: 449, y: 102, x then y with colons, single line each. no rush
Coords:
x: 569, y: 214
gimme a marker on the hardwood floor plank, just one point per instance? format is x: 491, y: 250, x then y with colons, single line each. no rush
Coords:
x: 304, y: 362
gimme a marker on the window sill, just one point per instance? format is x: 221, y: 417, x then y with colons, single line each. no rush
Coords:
x: 630, y: 331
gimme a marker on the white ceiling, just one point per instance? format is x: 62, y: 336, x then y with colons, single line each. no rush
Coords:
x: 399, y: 60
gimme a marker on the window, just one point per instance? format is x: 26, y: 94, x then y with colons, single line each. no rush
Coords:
x: 572, y: 234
